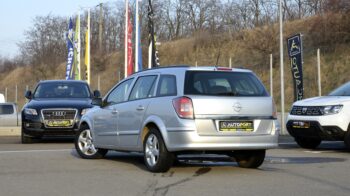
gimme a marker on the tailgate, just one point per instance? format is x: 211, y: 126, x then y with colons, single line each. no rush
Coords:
x: 216, y: 115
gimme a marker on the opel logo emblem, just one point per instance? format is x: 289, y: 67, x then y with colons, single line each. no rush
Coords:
x: 59, y: 113
x: 237, y: 107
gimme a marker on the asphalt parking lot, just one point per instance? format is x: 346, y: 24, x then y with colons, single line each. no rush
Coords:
x: 52, y: 167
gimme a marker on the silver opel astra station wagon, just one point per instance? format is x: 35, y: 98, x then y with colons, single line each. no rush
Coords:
x: 167, y: 111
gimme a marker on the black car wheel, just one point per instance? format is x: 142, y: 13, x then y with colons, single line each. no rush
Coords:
x: 156, y: 156
x: 249, y: 158
x: 85, y: 147
x: 308, y: 143
x: 347, y: 139
x: 26, y: 139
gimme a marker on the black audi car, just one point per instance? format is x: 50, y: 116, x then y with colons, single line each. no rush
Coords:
x: 55, y: 108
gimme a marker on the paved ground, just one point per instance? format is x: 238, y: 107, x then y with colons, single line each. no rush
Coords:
x: 52, y: 167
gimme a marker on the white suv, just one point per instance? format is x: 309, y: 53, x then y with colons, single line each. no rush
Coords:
x: 321, y: 118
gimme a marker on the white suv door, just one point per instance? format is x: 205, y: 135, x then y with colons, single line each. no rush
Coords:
x: 131, y: 113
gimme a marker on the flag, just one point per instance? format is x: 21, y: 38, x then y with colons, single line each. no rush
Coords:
x: 153, y: 60
x: 76, y: 72
x: 87, y: 49
x: 70, y: 48
x: 130, y: 56
x: 295, y: 53
x: 138, y: 47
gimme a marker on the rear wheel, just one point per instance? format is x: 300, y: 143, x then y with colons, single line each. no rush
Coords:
x: 308, y: 143
x: 156, y: 156
x: 85, y: 147
x: 249, y: 158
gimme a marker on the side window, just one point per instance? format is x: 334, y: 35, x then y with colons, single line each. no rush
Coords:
x: 6, y: 109
x: 119, y: 93
x: 167, y: 86
x: 143, y: 87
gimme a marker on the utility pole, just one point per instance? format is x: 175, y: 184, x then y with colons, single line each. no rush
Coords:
x: 100, y: 30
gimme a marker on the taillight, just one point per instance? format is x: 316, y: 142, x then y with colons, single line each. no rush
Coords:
x: 183, y: 107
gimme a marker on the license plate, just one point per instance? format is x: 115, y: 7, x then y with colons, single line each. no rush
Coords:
x: 236, y: 126
x: 58, y: 123
x: 301, y: 125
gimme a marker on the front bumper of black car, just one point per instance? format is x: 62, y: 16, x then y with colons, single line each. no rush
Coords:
x: 33, y: 126
x: 316, y: 131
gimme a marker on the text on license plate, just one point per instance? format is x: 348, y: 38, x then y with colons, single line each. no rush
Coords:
x: 59, y: 123
x: 236, y: 126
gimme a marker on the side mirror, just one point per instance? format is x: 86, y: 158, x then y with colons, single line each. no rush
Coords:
x: 97, y: 101
x: 28, y: 94
x: 97, y: 94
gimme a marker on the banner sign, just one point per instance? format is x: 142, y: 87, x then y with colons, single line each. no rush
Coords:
x: 70, y: 56
x: 295, y: 53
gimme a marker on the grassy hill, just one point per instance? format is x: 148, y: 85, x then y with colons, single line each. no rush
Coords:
x: 248, y: 49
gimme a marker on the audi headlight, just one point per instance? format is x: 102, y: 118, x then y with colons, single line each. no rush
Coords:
x: 84, y: 111
x: 331, y: 109
x: 30, y: 111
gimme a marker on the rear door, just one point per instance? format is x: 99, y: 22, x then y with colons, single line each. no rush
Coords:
x: 8, y: 115
x: 227, y: 102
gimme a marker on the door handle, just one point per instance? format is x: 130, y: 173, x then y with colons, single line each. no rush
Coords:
x: 114, y: 111
x: 140, y: 108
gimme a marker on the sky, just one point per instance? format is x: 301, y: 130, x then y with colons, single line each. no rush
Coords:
x: 16, y: 16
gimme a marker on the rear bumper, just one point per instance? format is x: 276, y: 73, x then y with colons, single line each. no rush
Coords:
x: 190, y: 140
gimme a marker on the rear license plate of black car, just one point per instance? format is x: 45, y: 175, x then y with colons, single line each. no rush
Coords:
x: 58, y: 123
x: 301, y: 125
x: 236, y: 125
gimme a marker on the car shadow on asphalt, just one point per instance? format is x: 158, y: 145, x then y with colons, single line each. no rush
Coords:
x: 48, y: 140
x: 183, y: 161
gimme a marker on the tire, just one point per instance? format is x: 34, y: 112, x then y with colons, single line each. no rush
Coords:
x: 347, y: 140
x: 84, y: 145
x: 156, y: 156
x: 249, y: 158
x: 26, y: 139
x: 308, y: 143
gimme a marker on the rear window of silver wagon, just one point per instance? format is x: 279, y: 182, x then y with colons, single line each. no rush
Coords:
x: 219, y: 83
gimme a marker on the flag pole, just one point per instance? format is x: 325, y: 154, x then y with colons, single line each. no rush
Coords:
x: 78, y: 47
x: 137, y: 37
x: 126, y: 39
x: 87, y: 50
x: 282, y: 66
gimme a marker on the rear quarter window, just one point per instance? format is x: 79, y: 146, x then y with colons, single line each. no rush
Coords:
x: 217, y: 83
x: 167, y: 86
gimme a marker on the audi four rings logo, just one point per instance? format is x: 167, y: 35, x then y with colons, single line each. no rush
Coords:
x: 59, y: 113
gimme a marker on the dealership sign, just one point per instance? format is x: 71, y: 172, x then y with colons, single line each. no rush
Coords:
x: 295, y: 54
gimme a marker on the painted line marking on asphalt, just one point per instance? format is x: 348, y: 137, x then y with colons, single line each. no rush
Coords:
x: 313, y: 152
x: 287, y: 143
x: 28, y: 151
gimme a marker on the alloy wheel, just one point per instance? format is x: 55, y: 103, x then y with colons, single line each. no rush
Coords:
x: 85, y: 143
